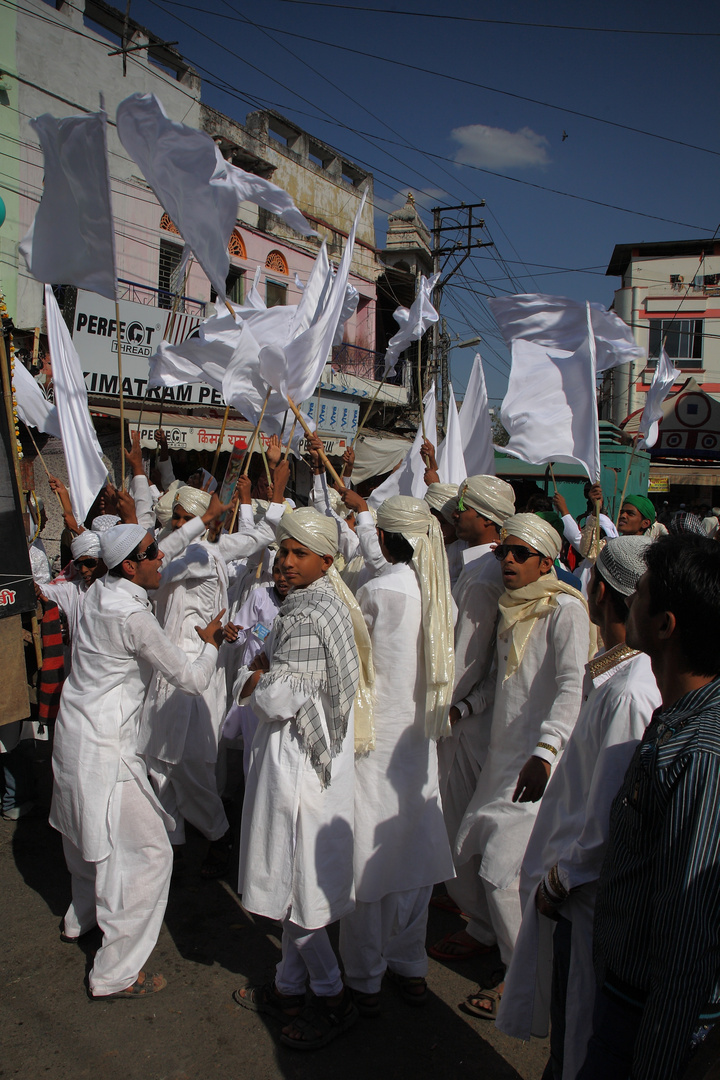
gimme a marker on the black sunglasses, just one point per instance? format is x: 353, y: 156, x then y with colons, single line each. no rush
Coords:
x: 519, y: 553
x: 86, y: 564
x: 150, y: 552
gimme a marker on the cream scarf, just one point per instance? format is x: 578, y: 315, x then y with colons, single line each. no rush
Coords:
x: 521, y: 608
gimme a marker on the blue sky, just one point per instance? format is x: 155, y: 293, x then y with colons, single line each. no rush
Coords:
x: 450, y: 141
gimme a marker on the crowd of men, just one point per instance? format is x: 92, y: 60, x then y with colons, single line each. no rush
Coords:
x: 452, y: 691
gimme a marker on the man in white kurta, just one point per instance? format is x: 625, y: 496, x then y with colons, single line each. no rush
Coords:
x: 114, y: 833
x: 541, y: 652
x: 69, y: 593
x: 179, y: 733
x: 486, y: 502
x: 296, y: 844
x: 567, y: 846
x: 401, y: 846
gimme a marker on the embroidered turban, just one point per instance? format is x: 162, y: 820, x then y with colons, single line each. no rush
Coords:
x: 490, y: 496
x: 443, y: 498
x: 193, y: 500
x: 315, y: 531
x: 536, y: 533
x: 86, y: 543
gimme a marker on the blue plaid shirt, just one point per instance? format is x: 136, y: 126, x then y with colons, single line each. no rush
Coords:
x: 657, y: 916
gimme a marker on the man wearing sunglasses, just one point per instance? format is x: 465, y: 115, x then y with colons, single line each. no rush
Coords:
x: 69, y: 595
x: 535, y: 694
x: 114, y: 830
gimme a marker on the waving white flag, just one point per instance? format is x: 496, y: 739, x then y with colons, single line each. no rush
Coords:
x: 71, y: 241
x: 83, y: 456
x: 662, y: 383
x: 476, y: 426
x: 33, y: 407
x: 550, y: 411
x: 409, y: 478
x: 450, y: 457
x: 413, y: 322
x: 251, y: 188
x: 189, y: 177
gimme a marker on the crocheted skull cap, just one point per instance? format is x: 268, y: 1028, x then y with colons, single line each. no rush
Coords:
x: 621, y: 563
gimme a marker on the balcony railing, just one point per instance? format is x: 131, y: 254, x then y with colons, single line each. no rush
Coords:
x: 364, y: 363
x: 145, y: 294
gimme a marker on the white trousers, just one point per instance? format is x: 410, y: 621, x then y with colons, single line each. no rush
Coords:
x: 307, y: 954
x: 188, y: 790
x: 388, y: 933
x: 125, y: 894
x: 495, y: 914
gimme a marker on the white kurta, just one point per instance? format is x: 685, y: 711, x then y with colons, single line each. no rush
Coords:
x: 539, y: 703
x: 118, y: 644
x: 571, y: 832
x: 400, y: 838
x: 296, y: 842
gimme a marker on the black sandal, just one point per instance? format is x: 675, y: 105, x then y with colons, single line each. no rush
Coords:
x: 320, y: 1022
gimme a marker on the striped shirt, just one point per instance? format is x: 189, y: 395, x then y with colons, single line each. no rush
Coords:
x: 657, y: 916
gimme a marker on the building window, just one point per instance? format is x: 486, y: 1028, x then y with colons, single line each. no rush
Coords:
x: 234, y: 287
x: 170, y: 255
x: 275, y: 293
x: 169, y: 226
x: 236, y: 247
x: 276, y: 261
x: 683, y: 341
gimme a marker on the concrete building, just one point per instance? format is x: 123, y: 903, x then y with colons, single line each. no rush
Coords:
x: 670, y: 291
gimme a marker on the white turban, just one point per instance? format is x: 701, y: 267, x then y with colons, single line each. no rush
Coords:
x: 86, y: 543
x: 104, y: 522
x: 491, y: 497
x: 319, y: 533
x: 412, y: 519
x: 163, y: 506
x: 117, y: 543
x: 443, y: 498
x: 193, y: 500
x: 538, y: 534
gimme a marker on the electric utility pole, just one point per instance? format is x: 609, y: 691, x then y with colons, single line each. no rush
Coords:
x: 449, y: 253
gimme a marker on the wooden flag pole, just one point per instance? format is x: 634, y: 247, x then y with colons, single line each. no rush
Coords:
x: 289, y: 445
x: 365, y: 418
x: 122, y: 399
x: 420, y: 388
x: 220, y: 440
x: 265, y: 463
x: 323, y: 456
x: 43, y: 463
x: 627, y: 478
x: 553, y: 477
x: 256, y: 432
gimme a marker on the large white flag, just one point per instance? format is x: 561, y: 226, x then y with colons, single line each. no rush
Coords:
x: 550, y: 411
x: 83, y: 456
x: 450, y: 457
x: 662, y: 383
x: 413, y: 322
x: 409, y: 478
x: 71, y: 241
x: 557, y: 322
x: 189, y: 177
x: 33, y: 407
x: 251, y: 188
x: 476, y: 425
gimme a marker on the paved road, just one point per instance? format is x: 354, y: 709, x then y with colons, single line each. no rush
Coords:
x: 209, y: 944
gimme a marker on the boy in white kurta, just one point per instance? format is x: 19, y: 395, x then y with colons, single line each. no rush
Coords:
x: 567, y: 846
x: 401, y: 845
x: 542, y: 649
x: 114, y: 832
x: 296, y: 842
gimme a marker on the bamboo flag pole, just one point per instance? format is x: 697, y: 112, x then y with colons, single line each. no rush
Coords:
x: 122, y: 399
x: 627, y: 478
x: 365, y: 418
x: 256, y: 432
x: 43, y: 462
x: 323, y: 456
x: 289, y: 445
x: 266, y: 464
x: 553, y: 477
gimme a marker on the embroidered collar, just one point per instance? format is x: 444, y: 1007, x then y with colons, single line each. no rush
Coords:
x: 600, y: 665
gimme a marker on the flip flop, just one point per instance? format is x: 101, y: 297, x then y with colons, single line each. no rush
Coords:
x: 145, y: 984
x: 320, y: 1022
x: 459, y: 950
x: 491, y: 995
x: 264, y: 998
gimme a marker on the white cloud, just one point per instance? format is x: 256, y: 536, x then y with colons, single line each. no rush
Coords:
x: 495, y: 148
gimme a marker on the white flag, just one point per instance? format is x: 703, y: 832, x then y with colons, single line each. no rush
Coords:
x: 33, y: 407
x: 83, y: 456
x: 550, y: 411
x: 251, y: 188
x: 71, y: 241
x: 560, y: 323
x: 476, y: 425
x: 409, y: 478
x: 662, y: 383
x: 189, y: 177
x: 450, y: 457
x: 413, y: 322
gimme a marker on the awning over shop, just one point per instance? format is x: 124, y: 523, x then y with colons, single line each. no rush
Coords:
x: 686, y: 475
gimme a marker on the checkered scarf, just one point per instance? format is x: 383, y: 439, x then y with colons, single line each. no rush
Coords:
x: 315, y: 649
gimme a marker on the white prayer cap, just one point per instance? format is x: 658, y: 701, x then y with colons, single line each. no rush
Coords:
x: 443, y: 498
x: 315, y: 531
x: 117, y: 543
x: 538, y: 534
x: 193, y: 500
x: 491, y: 497
x: 86, y: 543
x: 104, y: 522
x: 404, y: 514
x: 621, y: 563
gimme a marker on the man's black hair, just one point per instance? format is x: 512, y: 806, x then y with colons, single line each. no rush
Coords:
x: 116, y: 571
x: 619, y: 602
x: 684, y: 578
x: 398, y: 546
